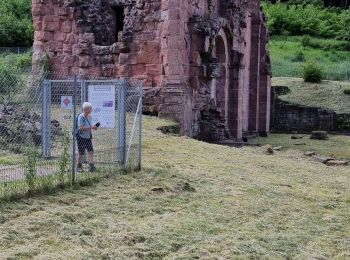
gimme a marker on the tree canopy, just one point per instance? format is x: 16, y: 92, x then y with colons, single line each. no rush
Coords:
x: 16, y: 26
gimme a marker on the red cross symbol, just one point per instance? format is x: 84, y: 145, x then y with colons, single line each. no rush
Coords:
x: 66, y: 101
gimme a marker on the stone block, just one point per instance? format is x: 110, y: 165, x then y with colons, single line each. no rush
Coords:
x: 43, y: 36
x: 153, y: 69
x: 40, y: 9
x: 54, y: 46
x: 49, y: 25
x: 59, y: 36
x: 106, y: 59
x: 139, y: 69
x: 121, y: 47
x: 85, y: 61
x: 84, y: 48
x: 107, y: 70
x: 70, y: 38
x: 38, y: 46
x: 61, y: 10
x: 122, y: 70
x: 148, y: 36
x: 67, y: 47
x: 68, y: 61
x: 87, y: 38
x: 75, y: 49
x: 102, y: 50
x: 66, y: 27
x: 123, y: 58
x: 37, y: 24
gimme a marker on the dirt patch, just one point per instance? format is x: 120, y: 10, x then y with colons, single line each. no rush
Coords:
x: 184, y: 187
x: 170, y: 129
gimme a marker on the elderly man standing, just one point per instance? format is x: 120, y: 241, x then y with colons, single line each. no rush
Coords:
x: 84, y: 137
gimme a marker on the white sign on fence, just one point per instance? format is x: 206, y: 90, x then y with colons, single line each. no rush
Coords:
x: 66, y: 102
x: 102, y: 98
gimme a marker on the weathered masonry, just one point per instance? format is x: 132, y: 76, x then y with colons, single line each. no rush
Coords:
x: 204, y: 63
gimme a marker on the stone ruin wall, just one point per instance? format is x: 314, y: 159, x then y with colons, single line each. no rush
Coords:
x: 204, y: 63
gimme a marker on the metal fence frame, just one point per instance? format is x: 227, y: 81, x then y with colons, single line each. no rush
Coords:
x: 124, y: 152
x: 124, y: 148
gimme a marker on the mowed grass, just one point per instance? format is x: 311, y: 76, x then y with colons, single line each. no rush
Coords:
x: 7, y: 158
x: 337, y: 146
x: 327, y: 94
x: 285, y: 58
x: 192, y: 200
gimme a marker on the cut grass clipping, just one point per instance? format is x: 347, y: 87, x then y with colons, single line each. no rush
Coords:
x: 192, y: 200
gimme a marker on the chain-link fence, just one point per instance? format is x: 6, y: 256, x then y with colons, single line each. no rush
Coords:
x: 38, y: 129
x: 16, y: 50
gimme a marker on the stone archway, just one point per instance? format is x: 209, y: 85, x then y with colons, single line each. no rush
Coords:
x: 221, y: 80
x: 226, y: 87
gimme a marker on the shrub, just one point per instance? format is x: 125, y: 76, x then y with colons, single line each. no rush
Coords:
x: 343, y: 121
x: 347, y: 91
x: 64, y: 159
x: 319, y: 135
x: 23, y: 61
x: 32, y: 155
x: 9, y: 83
x: 306, y: 41
x: 298, y: 57
x: 312, y: 72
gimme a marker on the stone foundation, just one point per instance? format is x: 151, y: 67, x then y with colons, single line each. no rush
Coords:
x: 203, y: 63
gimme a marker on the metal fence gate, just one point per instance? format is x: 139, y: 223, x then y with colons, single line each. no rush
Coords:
x: 118, y: 140
x: 48, y: 158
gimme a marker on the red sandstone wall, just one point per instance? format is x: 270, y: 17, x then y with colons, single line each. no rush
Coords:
x: 72, y: 50
x: 56, y: 34
x: 162, y: 44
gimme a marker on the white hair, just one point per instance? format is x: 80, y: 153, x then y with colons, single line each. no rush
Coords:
x: 86, y: 105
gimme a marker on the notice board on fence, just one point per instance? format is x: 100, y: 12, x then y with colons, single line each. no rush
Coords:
x: 102, y: 98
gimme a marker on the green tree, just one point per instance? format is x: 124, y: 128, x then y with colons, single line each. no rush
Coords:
x: 16, y: 26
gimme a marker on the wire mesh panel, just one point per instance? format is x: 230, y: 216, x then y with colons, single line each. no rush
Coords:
x: 38, y: 130
x: 133, y: 124
x: 22, y: 169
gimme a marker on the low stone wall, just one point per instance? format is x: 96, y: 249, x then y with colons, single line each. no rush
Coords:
x: 288, y: 117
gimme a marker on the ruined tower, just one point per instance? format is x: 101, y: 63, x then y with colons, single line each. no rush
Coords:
x: 204, y: 63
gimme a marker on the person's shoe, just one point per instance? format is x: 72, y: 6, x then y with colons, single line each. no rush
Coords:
x: 92, y: 167
x: 80, y: 167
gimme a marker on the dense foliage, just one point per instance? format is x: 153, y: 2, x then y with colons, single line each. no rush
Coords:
x: 288, y: 53
x: 326, y: 3
x: 16, y: 28
x: 308, y: 19
x: 294, y: 2
x: 16, y: 61
x: 11, y: 68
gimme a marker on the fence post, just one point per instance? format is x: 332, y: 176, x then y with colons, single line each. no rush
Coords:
x: 46, y: 120
x: 122, y: 121
x: 140, y: 127
x: 74, y: 124
x: 83, y: 93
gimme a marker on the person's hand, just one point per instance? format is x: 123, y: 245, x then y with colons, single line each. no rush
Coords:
x: 94, y: 127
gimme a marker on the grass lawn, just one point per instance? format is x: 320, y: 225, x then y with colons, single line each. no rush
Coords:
x: 328, y: 94
x: 337, y: 146
x: 7, y: 158
x: 192, y: 200
x: 285, y: 57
